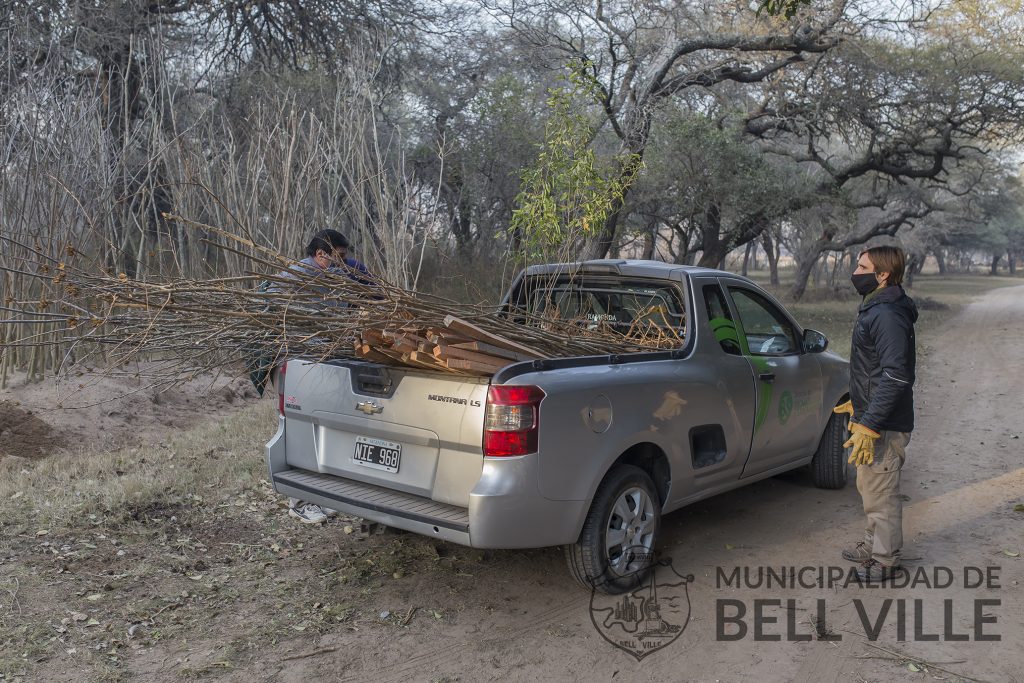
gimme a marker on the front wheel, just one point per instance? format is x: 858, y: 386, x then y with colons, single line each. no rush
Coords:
x: 828, y: 467
x: 615, y: 550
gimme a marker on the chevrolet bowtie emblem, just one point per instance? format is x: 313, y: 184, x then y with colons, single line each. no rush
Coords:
x: 369, y: 407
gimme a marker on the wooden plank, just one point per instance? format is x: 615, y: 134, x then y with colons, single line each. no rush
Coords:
x: 463, y: 327
x: 415, y: 338
x: 446, y: 336
x: 367, y: 352
x: 426, y: 347
x: 417, y: 359
x: 492, y: 350
x: 372, y: 336
x: 400, y: 344
x: 403, y: 342
x: 449, y: 352
x: 392, y: 356
x: 474, y: 366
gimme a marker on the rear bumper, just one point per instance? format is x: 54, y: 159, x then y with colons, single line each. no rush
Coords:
x: 505, y: 509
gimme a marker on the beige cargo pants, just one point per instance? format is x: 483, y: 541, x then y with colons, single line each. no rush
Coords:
x: 879, y: 487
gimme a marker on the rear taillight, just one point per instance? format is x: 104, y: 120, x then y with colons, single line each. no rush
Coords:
x: 280, y: 388
x: 510, y: 420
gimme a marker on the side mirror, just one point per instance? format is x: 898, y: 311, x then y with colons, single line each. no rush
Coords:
x: 814, y: 341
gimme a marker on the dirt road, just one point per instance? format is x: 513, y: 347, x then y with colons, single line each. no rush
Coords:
x: 522, y: 618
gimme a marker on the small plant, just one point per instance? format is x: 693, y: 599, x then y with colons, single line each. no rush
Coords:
x: 567, y: 196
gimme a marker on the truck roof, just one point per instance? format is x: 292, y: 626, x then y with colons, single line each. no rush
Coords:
x: 633, y: 267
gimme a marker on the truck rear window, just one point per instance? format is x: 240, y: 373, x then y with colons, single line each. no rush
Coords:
x: 629, y: 308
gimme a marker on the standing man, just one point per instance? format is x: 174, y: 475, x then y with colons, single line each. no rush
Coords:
x: 881, y: 406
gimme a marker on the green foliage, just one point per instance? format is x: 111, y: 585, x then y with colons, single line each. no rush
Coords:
x: 696, y: 163
x: 712, y: 163
x: 567, y: 195
x: 503, y: 101
x: 1005, y: 229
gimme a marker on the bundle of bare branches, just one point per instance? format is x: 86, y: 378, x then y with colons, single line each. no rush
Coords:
x: 192, y: 326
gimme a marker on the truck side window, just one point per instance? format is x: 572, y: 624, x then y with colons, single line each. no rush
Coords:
x: 720, y: 320
x: 767, y: 330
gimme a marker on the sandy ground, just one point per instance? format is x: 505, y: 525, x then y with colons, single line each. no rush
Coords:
x: 462, y: 615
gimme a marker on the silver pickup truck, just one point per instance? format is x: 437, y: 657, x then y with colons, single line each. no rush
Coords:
x: 585, y: 452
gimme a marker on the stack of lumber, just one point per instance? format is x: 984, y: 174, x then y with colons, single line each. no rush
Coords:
x: 458, y: 346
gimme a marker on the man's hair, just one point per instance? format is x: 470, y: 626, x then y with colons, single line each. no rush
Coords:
x: 890, y: 260
x: 328, y: 240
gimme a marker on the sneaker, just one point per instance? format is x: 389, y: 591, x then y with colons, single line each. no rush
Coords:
x: 858, y: 553
x: 309, y: 513
x: 873, y: 571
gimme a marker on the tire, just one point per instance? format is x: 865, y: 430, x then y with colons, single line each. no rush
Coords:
x: 600, y: 563
x: 828, y: 467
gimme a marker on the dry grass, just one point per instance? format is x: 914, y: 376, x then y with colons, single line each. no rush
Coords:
x: 107, y: 557
x: 59, y: 492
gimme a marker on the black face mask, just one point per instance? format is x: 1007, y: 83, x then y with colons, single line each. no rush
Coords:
x: 864, y: 283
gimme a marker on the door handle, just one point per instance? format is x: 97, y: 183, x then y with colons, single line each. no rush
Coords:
x: 767, y: 377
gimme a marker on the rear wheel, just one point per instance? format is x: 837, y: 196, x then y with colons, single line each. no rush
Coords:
x: 615, y: 550
x: 828, y: 467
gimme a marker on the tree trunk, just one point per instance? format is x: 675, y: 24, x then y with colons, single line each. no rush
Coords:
x: 746, y: 257
x: 995, y: 264
x: 631, y: 154
x: 771, y: 253
x: 463, y: 224
x: 1011, y: 260
x: 940, y: 259
x: 597, y: 246
x: 713, y: 249
x: 908, y: 277
x: 837, y: 266
x: 650, y: 240
x: 804, y: 266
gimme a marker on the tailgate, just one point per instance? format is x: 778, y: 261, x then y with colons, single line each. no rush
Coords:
x: 411, y: 431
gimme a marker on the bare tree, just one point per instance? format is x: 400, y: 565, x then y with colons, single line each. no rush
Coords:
x: 883, y: 129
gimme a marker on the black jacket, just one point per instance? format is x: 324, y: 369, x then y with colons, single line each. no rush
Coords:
x: 883, y: 362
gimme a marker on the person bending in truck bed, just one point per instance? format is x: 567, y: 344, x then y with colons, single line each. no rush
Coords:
x: 326, y: 252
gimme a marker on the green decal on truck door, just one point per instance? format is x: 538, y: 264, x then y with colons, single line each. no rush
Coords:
x: 764, y: 394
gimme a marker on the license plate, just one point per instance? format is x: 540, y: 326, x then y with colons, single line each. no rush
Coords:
x: 377, y: 453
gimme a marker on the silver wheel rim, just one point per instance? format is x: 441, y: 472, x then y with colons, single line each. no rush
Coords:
x: 629, y: 534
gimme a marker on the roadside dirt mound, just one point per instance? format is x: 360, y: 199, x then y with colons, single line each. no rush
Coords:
x: 25, y: 435
x: 96, y: 410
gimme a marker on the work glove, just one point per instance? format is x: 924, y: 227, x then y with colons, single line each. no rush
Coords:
x: 862, y: 441
x: 844, y: 408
